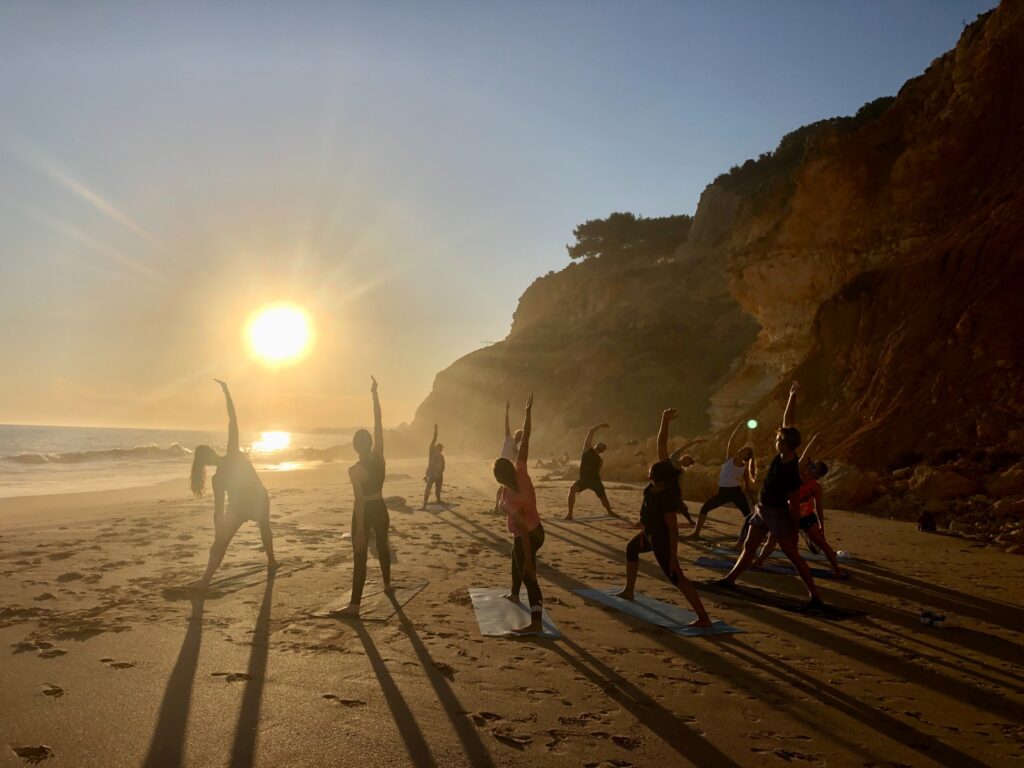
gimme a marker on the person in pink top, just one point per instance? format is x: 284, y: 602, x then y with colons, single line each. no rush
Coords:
x: 519, y: 503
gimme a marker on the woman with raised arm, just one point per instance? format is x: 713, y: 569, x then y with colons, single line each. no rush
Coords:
x: 369, y: 512
x: 659, y: 526
x: 509, y: 450
x: 519, y: 503
x: 236, y: 482
x: 434, y: 476
x: 735, y: 478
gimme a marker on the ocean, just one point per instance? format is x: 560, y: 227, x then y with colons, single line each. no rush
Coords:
x: 42, y: 460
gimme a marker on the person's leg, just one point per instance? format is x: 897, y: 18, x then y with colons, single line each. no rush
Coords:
x: 789, y: 545
x: 712, y: 503
x: 381, y: 528
x: 228, y: 527
x: 663, y: 554
x: 426, y: 492
x: 517, y: 573
x: 438, y: 482
x: 815, y: 534
x: 358, y: 568
x: 603, y: 496
x: 267, y: 535
x: 766, y: 551
x: 635, y: 546
x: 572, y: 500
x: 739, y: 498
x: 532, y: 585
x: 755, y: 536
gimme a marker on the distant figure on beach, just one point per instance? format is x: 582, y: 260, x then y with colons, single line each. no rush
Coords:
x: 590, y: 472
x: 812, y: 513
x: 435, y: 470
x: 519, y: 503
x: 778, y: 509
x: 369, y: 512
x: 735, y: 479
x: 236, y: 481
x: 659, y: 526
x: 509, y: 450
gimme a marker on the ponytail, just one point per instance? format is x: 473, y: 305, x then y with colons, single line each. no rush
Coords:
x: 202, y: 456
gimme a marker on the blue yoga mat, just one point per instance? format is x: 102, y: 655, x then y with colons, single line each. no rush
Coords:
x: 725, y: 565
x: 666, y: 615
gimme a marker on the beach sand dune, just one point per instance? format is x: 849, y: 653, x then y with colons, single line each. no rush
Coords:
x: 105, y: 665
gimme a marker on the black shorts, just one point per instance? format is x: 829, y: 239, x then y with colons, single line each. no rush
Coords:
x: 809, y: 521
x: 591, y: 484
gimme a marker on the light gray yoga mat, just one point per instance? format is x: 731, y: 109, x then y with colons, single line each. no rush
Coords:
x: 779, y: 555
x: 376, y: 604
x: 497, y: 616
x: 670, y: 617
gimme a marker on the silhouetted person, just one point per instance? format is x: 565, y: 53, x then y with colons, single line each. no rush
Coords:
x: 434, y: 476
x: 735, y: 477
x: 590, y: 472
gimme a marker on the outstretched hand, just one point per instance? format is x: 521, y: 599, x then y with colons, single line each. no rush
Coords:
x: 669, y: 414
x: 373, y: 385
x: 508, y: 404
x: 794, y: 387
x: 529, y: 402
x: 223, y: 384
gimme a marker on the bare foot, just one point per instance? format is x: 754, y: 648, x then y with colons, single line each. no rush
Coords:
x: 534, y: 626
x: 352, y: 609
x: 567, y: 517
x: 692, y: 535
x: 624, y: 594
x: 513, y: 598
x: 388, y: 589
x: 700, y: 622
x: 273, y: 565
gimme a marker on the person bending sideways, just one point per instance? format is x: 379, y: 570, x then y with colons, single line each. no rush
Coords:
x: 369, y: 512
x: 590, y: 472
x: 734, y: 483
x: 434, y: 476
x: 659, y: 526
x: 519, y: 503
x: 236, y: 482
x: 778, y: 509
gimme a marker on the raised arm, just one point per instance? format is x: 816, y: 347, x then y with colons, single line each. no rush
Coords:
x: 589, y: 442
x: 524, y: 444
x: 378, y: 424
x: 508, y: 430
x: 677, y: 454
x: 433, y: 441
x: 807, y: 447
x: 728, y: 445
x: 232, y: 419
x: 789, y: 416
x: 666, y: 416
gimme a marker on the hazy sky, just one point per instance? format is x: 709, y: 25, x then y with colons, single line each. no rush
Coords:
x: 403, y: 170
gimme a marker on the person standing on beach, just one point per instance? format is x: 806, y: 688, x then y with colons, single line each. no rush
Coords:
x: 590, y: 472
x: 369, y: 512
x: 519, y: 503
x: 734, y: 484
x: 659, y: 525
x: 509, y: 450
x: 778, y: 509
x: 236, y: 483
x: 435, y: 470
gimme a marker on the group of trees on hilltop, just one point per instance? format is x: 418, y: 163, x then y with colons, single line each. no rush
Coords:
x: 626, y: 235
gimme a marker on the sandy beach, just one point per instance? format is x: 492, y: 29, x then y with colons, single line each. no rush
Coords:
x: 104, y: 667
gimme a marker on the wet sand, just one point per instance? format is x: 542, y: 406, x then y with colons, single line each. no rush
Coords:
x: 104, y: 667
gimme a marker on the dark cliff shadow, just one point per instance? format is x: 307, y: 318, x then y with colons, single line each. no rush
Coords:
x: 243, y: 750
x: 167, y: 747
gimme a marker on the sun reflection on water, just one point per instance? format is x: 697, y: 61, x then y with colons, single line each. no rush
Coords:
x: 271, y: 442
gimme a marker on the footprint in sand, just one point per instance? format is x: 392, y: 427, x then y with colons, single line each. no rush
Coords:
x: 517, y: 740
x: 33, y: 755
x: 610, y: 764
x: 344, y: 702
x: 51, y: 653
x: 445, y: 669
x: 231, y: 677
x: 44, y: 596
x: 49, y: 689
x: 72, y: 576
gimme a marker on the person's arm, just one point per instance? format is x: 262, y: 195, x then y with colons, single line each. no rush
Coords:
x: 589, y: 442
x: 819, y: 508
x: 433, y: 442
x: 232, y: 419
x: 355, y: 474
x: 807, y: 447
x: 677, y: 454
x: 663, y: 433
x: 508, y: 430
x: 524, y: 444
x: 789, y: 416
x: 378, y: 424
x: 728, y: 445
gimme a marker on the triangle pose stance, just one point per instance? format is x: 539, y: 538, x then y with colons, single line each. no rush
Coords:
x: 519, y: 503
x: 663, y: 500
x: 735, y: 478
x: 778, y: 510
x: 369, y: 512
x: 237, y: 483
x: 590, y: 472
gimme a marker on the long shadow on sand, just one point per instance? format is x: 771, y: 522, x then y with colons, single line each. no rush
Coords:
x: 166, y: 749
x: 476, y: 752
x: 415, y: 743
x: 243, y: 751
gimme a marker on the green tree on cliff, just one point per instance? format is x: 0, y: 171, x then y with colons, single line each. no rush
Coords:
x: 626, y: 235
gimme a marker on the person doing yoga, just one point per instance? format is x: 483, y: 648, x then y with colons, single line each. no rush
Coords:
x: 236, y: 482
x: 369, y: 512
x: 509, y: 450
x: 778, y: 510
x: 590, y: 472
x: 812, y: 513
x: 734, y: 484
x: 435, y: 470
x: 519, y: 503
x: 660, y: 532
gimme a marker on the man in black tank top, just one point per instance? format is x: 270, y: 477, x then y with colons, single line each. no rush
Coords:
x: 590, y: 472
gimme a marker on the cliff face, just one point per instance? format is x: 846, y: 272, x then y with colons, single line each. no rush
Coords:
x: 876, y: 258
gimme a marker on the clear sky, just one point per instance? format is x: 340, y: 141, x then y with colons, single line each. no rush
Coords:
x: 402, y: 170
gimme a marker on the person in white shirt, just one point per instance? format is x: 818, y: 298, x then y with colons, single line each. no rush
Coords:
x: 734, y: 484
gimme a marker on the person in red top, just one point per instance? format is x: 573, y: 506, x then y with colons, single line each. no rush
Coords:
x: 519, y: 503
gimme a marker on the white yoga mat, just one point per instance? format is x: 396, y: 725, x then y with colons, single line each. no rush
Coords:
x: 497, y: 616
x: 666, y: 615
x: 376, y: 604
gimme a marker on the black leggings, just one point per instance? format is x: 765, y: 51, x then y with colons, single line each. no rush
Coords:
x: 519, y: 575
x: 659, y: 545
x: 732, y: 495
x: 375, y: 518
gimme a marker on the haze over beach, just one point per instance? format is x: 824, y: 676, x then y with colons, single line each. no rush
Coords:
x: 730, y: 290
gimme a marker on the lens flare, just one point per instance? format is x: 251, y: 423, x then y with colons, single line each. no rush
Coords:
x: 270, y: 442
x: 752, y: 424
x: 279, y: 334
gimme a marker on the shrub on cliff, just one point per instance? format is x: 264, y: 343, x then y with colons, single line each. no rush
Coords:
x: 628, y: 236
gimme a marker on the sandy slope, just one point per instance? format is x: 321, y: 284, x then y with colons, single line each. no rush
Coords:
x: 141, y: 678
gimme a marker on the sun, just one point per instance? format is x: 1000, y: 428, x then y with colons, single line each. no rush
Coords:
x: 279, y: 334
